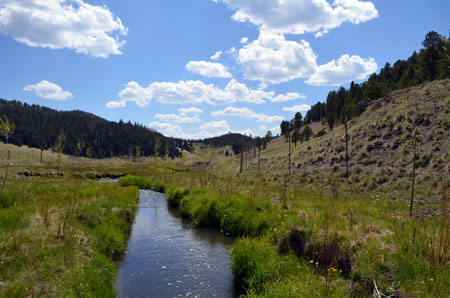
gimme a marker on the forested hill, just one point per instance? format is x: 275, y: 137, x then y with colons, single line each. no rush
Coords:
x: 85, y: 134
x: 230, y: 139
x: 431, y: 63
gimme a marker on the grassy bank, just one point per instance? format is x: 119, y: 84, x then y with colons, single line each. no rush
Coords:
x: 301, y: 242
x: 62, y: 237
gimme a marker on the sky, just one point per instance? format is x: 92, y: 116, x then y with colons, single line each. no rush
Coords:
x: 200, y: 68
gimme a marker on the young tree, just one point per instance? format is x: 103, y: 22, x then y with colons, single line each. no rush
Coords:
x: 296, y: 136
x: 411, y: 140
x: 7, y: 129
x: 59, y: 146
x: 307, y: 133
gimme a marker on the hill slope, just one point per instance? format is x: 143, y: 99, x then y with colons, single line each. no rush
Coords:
x: 375, y: 141
x: 86, y: 134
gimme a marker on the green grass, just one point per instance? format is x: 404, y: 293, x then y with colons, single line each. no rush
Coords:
x: 62, y: 237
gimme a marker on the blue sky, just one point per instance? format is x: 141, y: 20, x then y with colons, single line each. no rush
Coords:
x: 199, y: 68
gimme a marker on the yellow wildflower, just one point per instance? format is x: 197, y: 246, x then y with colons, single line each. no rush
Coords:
x: 275, y: 229
x: 431, y: 279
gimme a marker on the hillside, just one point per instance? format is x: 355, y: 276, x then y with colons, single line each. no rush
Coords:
x: 230, y: 139
x: 375, y: 142
x: 86, y: 134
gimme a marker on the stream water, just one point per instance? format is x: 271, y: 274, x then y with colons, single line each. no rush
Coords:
x: 167, y: 257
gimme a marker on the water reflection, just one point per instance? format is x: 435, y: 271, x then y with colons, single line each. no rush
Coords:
x: 166, y: 257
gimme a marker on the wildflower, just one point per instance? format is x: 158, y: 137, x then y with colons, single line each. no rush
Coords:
x: 311, y: 261
x: 340, y: 270
x: 393, y: 217
x: 285, y: 215
x: 431, y: 279
x: 279, y: 215
x: 436, y: 235
x: 298, y: 266
x: 275, y: 229
x: 390, y: 289
x: 282, y: 222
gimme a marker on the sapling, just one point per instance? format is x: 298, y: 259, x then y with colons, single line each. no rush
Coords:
x: 7, y: 129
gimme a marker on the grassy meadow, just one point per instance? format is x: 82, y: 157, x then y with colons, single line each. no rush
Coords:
x: 309, y: 235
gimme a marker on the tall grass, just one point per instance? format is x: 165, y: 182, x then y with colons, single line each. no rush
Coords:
x: 66, y: 242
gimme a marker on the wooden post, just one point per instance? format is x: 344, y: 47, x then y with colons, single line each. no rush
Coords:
x: 346, y: 150
x: 242, y: 153
x: 289, y: 140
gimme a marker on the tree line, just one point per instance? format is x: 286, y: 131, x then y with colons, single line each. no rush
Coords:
x: 431, y: 63
x: 84, y: 134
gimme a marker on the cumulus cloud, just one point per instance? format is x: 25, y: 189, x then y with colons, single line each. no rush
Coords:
x: 191, y: 110
x: 246, y: 113
x: 58, y: 24
x: 301, y: 16
x: 206, y: 130
x: 208, y: 69
x: 189, y: 92
x: 167, y: 128
x: 272, y: 58
x: 297, y: 108
x: 49, y: 90
x: 221, y: 126
x: 177, y: 118
x: 244, y: 40
x: 345, y: 69
x: 288, y: 97
x: 216, y: 55
x: 243, y: 93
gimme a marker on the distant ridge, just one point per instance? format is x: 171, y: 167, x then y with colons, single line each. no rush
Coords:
x: 86, y: 134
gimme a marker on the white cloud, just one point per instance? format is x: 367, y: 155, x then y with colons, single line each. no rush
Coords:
x: 272, y: 58
x: 244, y: 40
x: 208, y: 69
x: 49, y: 90
x: 246, y: 113
x: 169, y: 129
x: 177, y: 118
x: 58, y: 24
x: 300, y: 16
x: 275, y: 129
x: 263, y: 85
x: 288, y: 97
x: 189, y: 92
x: 221, y: 126
x: 116, y: 104
x: 216, y: 55
x: 191, y: 110
x: 345, y: 69
x: 243, y: 93
x: 263, y: 128
x: 297, y: 108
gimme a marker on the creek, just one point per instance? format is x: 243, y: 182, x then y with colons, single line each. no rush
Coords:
x: 168, y: 257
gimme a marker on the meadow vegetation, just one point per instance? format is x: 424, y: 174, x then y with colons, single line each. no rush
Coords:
x: 308, y: 235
